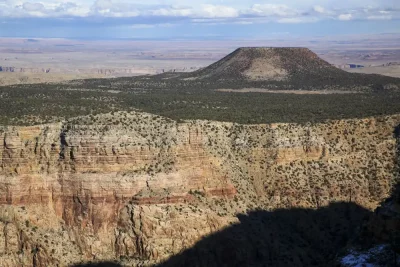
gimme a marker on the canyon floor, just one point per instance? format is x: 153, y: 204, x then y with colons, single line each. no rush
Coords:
x: 178, y: 169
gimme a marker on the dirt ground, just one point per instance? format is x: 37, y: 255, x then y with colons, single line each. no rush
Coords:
x: 296, y: 92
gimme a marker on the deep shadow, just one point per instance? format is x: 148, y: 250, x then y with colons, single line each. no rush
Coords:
x: 286, y: 237
x: 295, y: 237
x: 101, y: 264
x: 395, y: 196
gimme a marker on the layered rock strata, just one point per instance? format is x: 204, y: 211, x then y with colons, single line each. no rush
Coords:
x: 139, y: 188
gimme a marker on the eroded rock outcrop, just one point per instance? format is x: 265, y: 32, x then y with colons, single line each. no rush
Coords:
x: 378, y: 241
x: 139, y: 188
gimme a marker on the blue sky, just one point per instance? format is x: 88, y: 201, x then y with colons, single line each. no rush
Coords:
x: 213, y: 19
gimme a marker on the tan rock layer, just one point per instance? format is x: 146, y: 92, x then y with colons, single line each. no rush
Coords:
x: 143, y: 189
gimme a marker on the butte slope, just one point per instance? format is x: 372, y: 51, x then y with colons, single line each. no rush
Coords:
x: 285, y: 68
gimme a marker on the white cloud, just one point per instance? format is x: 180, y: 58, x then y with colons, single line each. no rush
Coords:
x: 110, y: 8
x: 232, y: 11
x: 215, y: 11
x: 319, y: 9
x: 172, y: 12
x: 204, y: 11
x: 19, y: 9
x: 345, y: 17
x: 102, y: 5
x: 32, y: 6
x: 271, y: 10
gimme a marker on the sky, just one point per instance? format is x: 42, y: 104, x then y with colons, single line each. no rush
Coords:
x: 202, y: 19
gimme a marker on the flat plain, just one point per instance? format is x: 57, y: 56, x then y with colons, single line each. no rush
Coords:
x: 53, y: 60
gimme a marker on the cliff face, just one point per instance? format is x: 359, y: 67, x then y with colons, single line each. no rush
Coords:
x: 378, y: 242
x: 384, y: 225
x: 140, y: 188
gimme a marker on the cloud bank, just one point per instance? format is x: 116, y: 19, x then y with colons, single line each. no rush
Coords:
x: 284, y: 11
x: 158, y: 13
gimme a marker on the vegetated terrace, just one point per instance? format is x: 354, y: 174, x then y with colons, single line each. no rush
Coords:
x: 44, y: 103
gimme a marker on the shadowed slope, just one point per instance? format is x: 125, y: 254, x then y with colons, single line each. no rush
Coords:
x: 293, y: 237
x: 296, y: 237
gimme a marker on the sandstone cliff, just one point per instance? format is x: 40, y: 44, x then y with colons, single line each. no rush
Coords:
x: 139, y: 188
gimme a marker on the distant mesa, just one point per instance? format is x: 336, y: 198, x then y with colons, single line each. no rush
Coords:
x: 266, y: 64
x: 285, y: 68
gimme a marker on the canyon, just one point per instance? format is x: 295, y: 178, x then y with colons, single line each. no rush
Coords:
x: 138, y: 188
x: 177, y: 169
